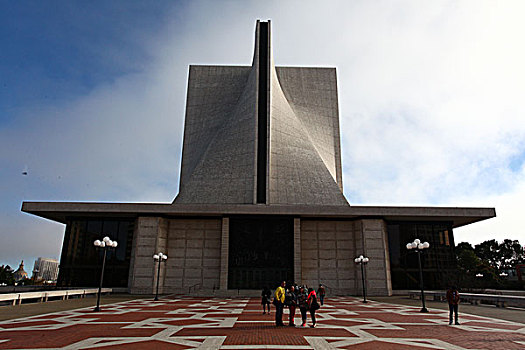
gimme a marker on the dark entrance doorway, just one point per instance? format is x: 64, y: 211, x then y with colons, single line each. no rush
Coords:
x: 261, y: 252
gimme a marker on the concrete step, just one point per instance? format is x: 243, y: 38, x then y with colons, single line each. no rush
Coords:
x: 230, y: 293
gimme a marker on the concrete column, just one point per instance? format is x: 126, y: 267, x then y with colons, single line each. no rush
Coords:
x: 225, y: 250
x: 297, y: 250
x: 148, y: 239
x: 375, y: 246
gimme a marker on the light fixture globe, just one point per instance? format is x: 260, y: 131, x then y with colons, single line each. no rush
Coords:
x: 426, y: 245
x: 156, y: 257
x: 356, y: 260
x: 417, y: 241
x: 115, y: 244
x: 409, y: 245
x: 164, y: 257
x: 97, y: 243
x: 365, y: 260
x: 414, y: 245
x: 106, y: 239
x: 102, y: 244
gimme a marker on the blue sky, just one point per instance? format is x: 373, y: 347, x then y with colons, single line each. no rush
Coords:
x: 93, y: 95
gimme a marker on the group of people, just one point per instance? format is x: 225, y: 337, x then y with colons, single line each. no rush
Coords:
x: 307, y: 300
x: 302, y: 297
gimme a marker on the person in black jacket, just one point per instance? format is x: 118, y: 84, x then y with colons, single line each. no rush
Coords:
x: 266, y: 297
x: 303, y: 304
x: 291, y: 301
x: 453, y: 301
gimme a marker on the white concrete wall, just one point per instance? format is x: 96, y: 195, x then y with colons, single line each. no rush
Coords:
x: 194, y: 251
x: 327, y: 253
x: 193, y: 247
x: 328, y: 250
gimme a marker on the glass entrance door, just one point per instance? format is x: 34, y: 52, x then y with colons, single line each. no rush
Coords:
x: 260, y: 252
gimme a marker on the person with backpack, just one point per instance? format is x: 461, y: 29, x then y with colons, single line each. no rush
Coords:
x: 313, y: 305
x: 290, y: 301
x: 266, y: 297
x: 303, y: 304
x: 453, y: 302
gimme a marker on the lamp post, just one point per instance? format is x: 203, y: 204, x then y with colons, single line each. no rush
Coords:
x: 105, y: 244
x: 159, y: 258
x: 418, y: 247
x: 361, y: 260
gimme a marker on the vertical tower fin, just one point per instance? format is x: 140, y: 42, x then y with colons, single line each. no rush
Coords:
x: 263, y: 76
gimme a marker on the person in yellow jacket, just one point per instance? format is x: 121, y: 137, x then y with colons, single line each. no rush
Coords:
x: 279, y: 304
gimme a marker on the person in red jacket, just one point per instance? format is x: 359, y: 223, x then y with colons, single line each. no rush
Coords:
x: 313, y: 305
x: 453, y: 301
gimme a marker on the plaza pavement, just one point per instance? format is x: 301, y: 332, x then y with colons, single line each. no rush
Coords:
x: 213, y: 323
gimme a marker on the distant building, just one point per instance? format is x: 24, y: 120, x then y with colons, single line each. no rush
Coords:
x: 20, y: 274
x: 45, y: 270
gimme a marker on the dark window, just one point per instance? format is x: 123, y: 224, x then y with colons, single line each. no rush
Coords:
x: 81, y: 261
x: 262, y: 115
x: 438, y: 262
x: 261, y: 252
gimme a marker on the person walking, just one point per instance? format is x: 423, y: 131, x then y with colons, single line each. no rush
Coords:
x: 292, y: 305
x: 266, y: 296
x: 303, y: 304
x: 313, y: 305
x: 453, y: 302
x: 321, y: 292
x: 279, y: 304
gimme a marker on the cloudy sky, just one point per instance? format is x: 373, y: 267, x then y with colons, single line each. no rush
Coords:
x: 92, y: 99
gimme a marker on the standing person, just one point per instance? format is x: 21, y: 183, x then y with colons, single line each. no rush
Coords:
x: 292, y: 304
x: 303, y: 304
x: 321, y: 291
x: 279, y: 304
x: 266, y: 295
x: 453, y: 301
x: 313, y: 305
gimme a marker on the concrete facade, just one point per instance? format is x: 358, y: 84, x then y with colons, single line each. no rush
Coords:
x: 219, y: 163
x: 194, y: 250
x: 328, y: 249
x: 324, y: 252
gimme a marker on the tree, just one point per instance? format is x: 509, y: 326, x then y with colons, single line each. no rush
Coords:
x: 468, y: 261
x: 500, y: 256
x: 511, y: 254
x: 473, y: 271
x: 489, y: 251
x: 6, y: 275
x: 464, y: 246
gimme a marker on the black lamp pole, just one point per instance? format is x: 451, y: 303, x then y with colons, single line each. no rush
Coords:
x: 97, y: 308
x: 159, y: 258
x: 158, y: 278
x: 418, y: 247
x: 105, y: 244
x: 364, y: 284
x: 423, y: 309
x: 361, y: 260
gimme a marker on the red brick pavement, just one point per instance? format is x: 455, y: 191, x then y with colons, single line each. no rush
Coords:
x: 200, y: 323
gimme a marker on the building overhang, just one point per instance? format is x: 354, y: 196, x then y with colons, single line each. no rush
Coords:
x: 64, y: 211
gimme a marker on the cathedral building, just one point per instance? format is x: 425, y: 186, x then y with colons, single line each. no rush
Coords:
x: 260, y: 199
